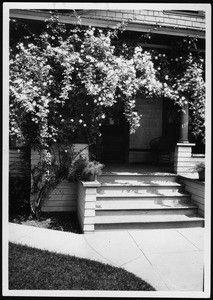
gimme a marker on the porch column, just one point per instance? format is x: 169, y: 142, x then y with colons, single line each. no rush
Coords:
x: 183, y: 151
x: 184, y: 124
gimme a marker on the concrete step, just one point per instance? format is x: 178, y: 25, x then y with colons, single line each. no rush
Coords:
x: 147, y: 222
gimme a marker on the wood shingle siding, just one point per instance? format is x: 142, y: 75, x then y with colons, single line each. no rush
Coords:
x: 17, y: 165
x: 62, y: 198
x: 171, y: 22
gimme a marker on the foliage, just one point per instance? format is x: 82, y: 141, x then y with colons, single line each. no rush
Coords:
x: 62, y: 80
x: 62, y: 83
x: 84, y: 169
x: 63, y: 221
x: 182, y: 77
x: 76, y: 169
x: 199, y: 167
x: 92, y: 169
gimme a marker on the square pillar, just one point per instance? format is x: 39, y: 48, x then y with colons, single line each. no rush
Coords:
x: 183, y: 158
x: 87, y: 191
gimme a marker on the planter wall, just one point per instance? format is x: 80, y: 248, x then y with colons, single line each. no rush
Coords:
x: 64, y: 197
x: 197, y: 190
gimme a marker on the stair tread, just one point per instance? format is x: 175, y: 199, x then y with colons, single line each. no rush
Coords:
x: 146, y: 219
x: 138, y: 174
x: 141, y: 184
x: 141, y: 206
x: 138, y: 195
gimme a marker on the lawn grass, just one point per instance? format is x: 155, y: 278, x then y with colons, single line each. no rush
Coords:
x: 34, y: 269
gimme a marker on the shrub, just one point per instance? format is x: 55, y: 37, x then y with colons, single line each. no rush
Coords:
x: 199, y: 167
x: 84, y: 169
x: 19, y: 193
x: 91, y: 170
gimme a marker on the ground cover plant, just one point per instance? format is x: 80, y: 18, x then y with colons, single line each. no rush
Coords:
x: 63, y: 221
x: 33, y: 269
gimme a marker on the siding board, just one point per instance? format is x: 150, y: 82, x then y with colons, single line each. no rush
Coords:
x: 197, y: 191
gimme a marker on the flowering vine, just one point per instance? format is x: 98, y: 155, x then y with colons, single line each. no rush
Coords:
x: 62, y: 83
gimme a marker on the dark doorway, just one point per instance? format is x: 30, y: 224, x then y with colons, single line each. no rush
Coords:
x: 115, y: 139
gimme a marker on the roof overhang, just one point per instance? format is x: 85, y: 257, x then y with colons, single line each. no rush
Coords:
x: 106, y: 23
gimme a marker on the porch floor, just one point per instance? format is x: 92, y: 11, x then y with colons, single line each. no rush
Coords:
x: 137, y: 168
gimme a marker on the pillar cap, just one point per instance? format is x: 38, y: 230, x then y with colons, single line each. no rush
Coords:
x: 185, y: 144
x: 92, y: 184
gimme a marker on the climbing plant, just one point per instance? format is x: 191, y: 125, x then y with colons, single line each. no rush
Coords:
x: 63, y: 82
x: 182, y: 74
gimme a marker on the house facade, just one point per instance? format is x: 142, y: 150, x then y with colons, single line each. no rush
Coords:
x: 161, y: 122
x: 143, y: 201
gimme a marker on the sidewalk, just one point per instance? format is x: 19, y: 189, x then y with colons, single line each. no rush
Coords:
x: 168, y: 259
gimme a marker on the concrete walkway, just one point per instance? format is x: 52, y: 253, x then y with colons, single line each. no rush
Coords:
x: 168, y: 259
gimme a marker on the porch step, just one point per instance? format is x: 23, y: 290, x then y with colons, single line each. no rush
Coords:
x: 147, y: 211
x: 140, y: 188
x: 103, y: 207
x: 147, y: 222
x: 123, y: 196
x: 143, y: 200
